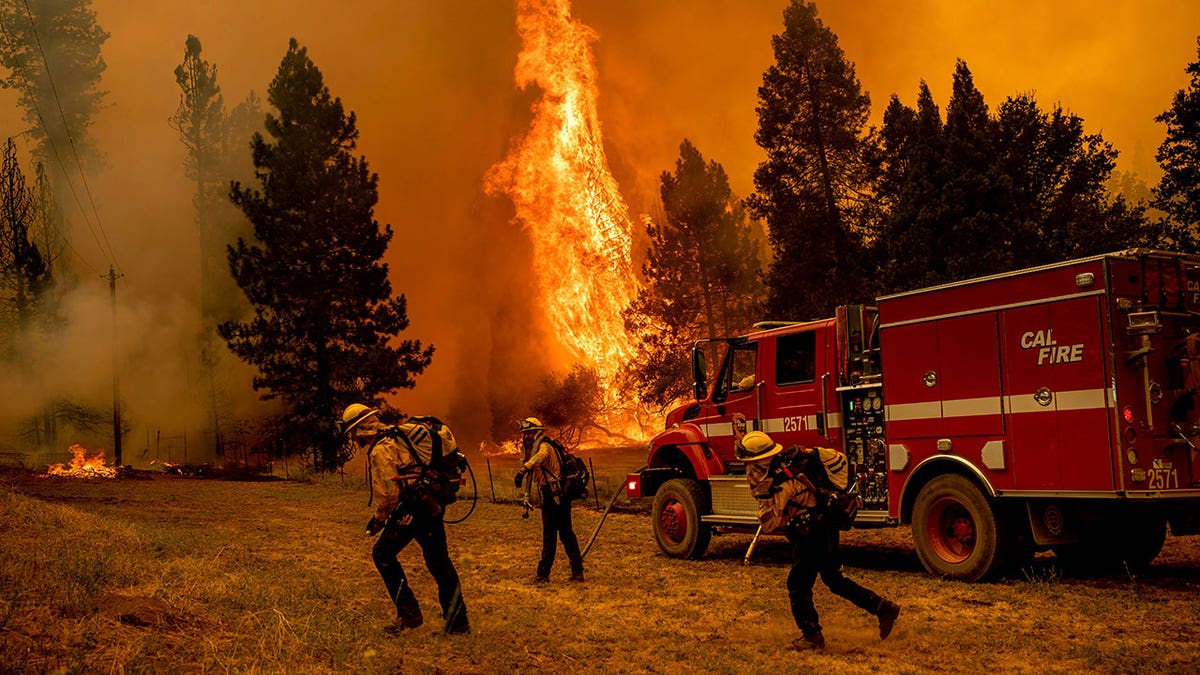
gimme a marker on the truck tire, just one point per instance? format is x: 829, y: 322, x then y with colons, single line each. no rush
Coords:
x: 1141, y: 541
x: 678, y: 505
x: 957, y: 533
x: 1123, y: 544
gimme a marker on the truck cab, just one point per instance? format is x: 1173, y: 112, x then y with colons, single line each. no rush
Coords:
x: 810, y: 383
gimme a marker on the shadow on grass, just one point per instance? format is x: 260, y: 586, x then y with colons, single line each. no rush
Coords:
x: 775, y: 551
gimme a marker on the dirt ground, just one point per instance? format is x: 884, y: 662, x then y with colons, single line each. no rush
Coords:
x: 176, y: 574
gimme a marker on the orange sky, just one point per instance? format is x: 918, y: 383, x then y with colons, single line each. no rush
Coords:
x: 431, y: 83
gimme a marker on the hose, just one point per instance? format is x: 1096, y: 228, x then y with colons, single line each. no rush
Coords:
x: 474, y: 498
x: 604, y: 515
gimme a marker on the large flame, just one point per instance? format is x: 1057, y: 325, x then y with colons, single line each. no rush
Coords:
x: 83, y: 465
x: 558, y: 178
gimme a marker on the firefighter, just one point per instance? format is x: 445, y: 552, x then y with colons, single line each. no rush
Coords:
x: 788, y: 504
x: 404, y: 511
x: 543, y: 468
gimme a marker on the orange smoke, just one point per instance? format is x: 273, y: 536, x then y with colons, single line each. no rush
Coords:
x: 558, y: 179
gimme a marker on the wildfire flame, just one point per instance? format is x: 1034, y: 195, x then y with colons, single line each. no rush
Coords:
x: 492, y: 449
x: 558, y: 179
x: 83, y: 465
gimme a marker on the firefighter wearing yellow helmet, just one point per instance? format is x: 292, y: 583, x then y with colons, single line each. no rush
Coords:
x: 403, y: 513
x: 785, y: 484
x: 543, y: 464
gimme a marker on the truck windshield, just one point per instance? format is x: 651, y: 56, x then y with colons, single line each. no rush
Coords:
x: 738, y: 376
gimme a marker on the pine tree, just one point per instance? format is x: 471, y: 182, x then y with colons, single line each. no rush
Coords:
x: 912, y: 246
x: 324, y: 315
x: 982, y: 194
x: 1178, y: 193
x: 199, y: 120
x: 701, y: 276
x: 814, y: 189
x: 52, y: 52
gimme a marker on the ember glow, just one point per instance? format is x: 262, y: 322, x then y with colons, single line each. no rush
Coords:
x: 565, y: 196
x: 83, y: 465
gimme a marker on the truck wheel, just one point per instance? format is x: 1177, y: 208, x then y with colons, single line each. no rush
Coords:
x: 957, y: 534
x: 1123, y: 544
x: 678, y: 505
x: 1141, y: 541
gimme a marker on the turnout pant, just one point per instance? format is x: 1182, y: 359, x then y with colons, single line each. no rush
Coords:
x: 430, y: 533
x: 556, y: 524
x: 817, y: 553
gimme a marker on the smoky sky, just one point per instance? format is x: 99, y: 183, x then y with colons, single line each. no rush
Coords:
x: 432, y: 86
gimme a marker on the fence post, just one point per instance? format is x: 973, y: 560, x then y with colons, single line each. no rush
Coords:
x: 595, y: 488
x: 491, y: 485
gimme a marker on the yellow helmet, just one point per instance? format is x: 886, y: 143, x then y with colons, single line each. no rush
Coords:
x: 757, y: 445
x: 530, y: 424
x: 360, y: 417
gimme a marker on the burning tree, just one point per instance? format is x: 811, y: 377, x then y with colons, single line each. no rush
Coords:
x: 571, y: 405
x: 324, y: 315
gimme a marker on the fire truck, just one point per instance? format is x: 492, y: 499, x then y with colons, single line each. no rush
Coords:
x: 1055, y: 407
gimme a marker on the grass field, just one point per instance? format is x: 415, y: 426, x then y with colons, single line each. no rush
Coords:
x: 189, y: 575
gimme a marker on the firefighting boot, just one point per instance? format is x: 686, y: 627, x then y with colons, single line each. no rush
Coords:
x: 406, y: 619
x: 808, y: 642
x: 887, y: 613
x: 457, y: 624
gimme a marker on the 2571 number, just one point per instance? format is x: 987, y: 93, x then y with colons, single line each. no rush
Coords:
x: 793, y: 424
x: 1162, y: 479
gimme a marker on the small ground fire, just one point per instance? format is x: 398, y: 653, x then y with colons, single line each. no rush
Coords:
x: 83, y: 464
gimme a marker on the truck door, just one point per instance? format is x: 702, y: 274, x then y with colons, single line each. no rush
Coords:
x: 735, y: 399
x: 796, y: 412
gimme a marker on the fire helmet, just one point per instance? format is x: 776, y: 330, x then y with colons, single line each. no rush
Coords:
x: 530, y: 424
x: 757, y: 445
x: 360, y: 419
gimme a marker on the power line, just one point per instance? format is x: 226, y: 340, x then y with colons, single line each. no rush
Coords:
x: 104, y: 246
x: 70, y: 139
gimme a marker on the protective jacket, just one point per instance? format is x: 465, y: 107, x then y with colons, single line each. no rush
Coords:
x: 778, y: 501
x: 393, y: 469
x: 543, y: 465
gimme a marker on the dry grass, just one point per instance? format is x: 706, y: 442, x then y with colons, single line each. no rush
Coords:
x: 187, y: 575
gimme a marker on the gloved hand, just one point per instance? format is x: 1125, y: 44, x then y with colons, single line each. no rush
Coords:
x: 374, y: 525
x: 517, y: 479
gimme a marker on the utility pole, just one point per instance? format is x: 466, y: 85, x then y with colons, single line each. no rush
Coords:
x: 112, y: 277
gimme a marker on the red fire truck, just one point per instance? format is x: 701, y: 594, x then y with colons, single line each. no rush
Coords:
x: 1053, y: 407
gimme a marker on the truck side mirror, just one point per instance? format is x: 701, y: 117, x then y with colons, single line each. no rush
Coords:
x: 699, y: 373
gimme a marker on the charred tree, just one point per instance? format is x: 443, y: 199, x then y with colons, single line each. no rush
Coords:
x: 23, y: 272
x: 324, y: 323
